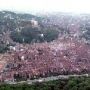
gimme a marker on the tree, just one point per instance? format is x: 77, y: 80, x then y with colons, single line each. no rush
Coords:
x: 28, y: 35
x: 50, y: 35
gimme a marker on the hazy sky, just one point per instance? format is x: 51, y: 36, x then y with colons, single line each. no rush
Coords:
x: 77, y: 6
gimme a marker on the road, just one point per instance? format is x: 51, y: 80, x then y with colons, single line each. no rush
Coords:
x: 47, y: 79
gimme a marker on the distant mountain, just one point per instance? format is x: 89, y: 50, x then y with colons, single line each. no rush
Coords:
x: 13, y: 15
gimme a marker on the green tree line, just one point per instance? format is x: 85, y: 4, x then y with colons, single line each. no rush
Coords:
x: 77, y: 83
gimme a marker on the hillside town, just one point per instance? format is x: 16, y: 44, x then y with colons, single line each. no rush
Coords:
x: 62, y: 57
x: 32, y: 51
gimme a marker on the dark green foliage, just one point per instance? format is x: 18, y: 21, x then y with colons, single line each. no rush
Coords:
x: 28, y: 35
x: 86, y: 35
x: 51, y: 35
x: 81, y: 83
x: 52, y: 85
x: 3, y: 48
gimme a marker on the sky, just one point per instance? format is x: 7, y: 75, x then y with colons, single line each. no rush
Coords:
x: 75, y: 6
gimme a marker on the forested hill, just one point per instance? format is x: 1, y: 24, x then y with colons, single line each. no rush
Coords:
x: 13, y: 15
x: 23, y: 28
x: 11, y: 22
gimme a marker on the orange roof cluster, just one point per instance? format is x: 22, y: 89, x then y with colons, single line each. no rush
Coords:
x: 46, y: 59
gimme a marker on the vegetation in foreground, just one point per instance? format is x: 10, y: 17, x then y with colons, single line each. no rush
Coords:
x: 80, y: 83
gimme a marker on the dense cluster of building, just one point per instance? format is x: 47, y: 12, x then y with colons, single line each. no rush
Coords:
x: 75, y: 25
x: 60, y: 57
x: 67, y: 55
